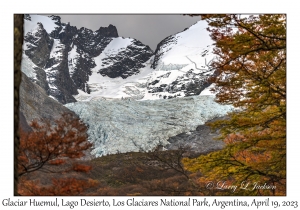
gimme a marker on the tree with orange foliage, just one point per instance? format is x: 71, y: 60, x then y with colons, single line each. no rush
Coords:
x: 251, y: 67
x: 50, y: 142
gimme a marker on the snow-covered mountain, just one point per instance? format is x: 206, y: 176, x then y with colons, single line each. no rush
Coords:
x: 181, y: 63
x: 112, y: 83
x: 179, y: 67
x: 73, y: 64
x: 65, y: 60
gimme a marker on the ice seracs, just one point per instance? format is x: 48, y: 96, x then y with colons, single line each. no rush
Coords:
x: 127, y: 125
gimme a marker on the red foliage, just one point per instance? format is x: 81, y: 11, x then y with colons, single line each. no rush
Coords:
x: 61, y: 186
x: 45, y: 148
x: 50, y: 141
x: 57, y: 162
x: 81, y: 168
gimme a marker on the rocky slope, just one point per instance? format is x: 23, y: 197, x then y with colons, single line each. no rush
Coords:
x: 36, y: 104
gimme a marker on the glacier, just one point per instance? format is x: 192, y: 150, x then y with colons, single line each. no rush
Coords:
x: 120, y: 126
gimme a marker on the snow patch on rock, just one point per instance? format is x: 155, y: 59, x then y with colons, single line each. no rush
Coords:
x: 27, y: 67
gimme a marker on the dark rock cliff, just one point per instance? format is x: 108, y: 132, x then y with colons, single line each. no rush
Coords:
x: 159, y: 49
x: 127, y: 62
x: 39, y: 46
x: 36, y: 104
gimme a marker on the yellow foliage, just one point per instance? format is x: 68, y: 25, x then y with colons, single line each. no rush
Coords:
x: 251, y: 69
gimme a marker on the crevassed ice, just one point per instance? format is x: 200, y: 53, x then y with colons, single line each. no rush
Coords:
x: 124, y: 126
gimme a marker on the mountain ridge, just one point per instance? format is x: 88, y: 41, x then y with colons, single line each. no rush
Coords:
x: 112, y: 83
x: 81, y: 63
x: 49, y: 47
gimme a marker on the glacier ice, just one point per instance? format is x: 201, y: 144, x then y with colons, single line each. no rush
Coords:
x: 125, y: 125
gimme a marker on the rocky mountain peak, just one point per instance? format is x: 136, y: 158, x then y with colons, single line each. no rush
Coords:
x: 67, y: 34
x: 85, y: 31
x: 110, y: 31
x: 38, y: 45
x: 27, y: 17
x: 158, y: 51
x: 67, y: 56
x: 40, y: 27
x: 81, y: 64
x: 56, y: 19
